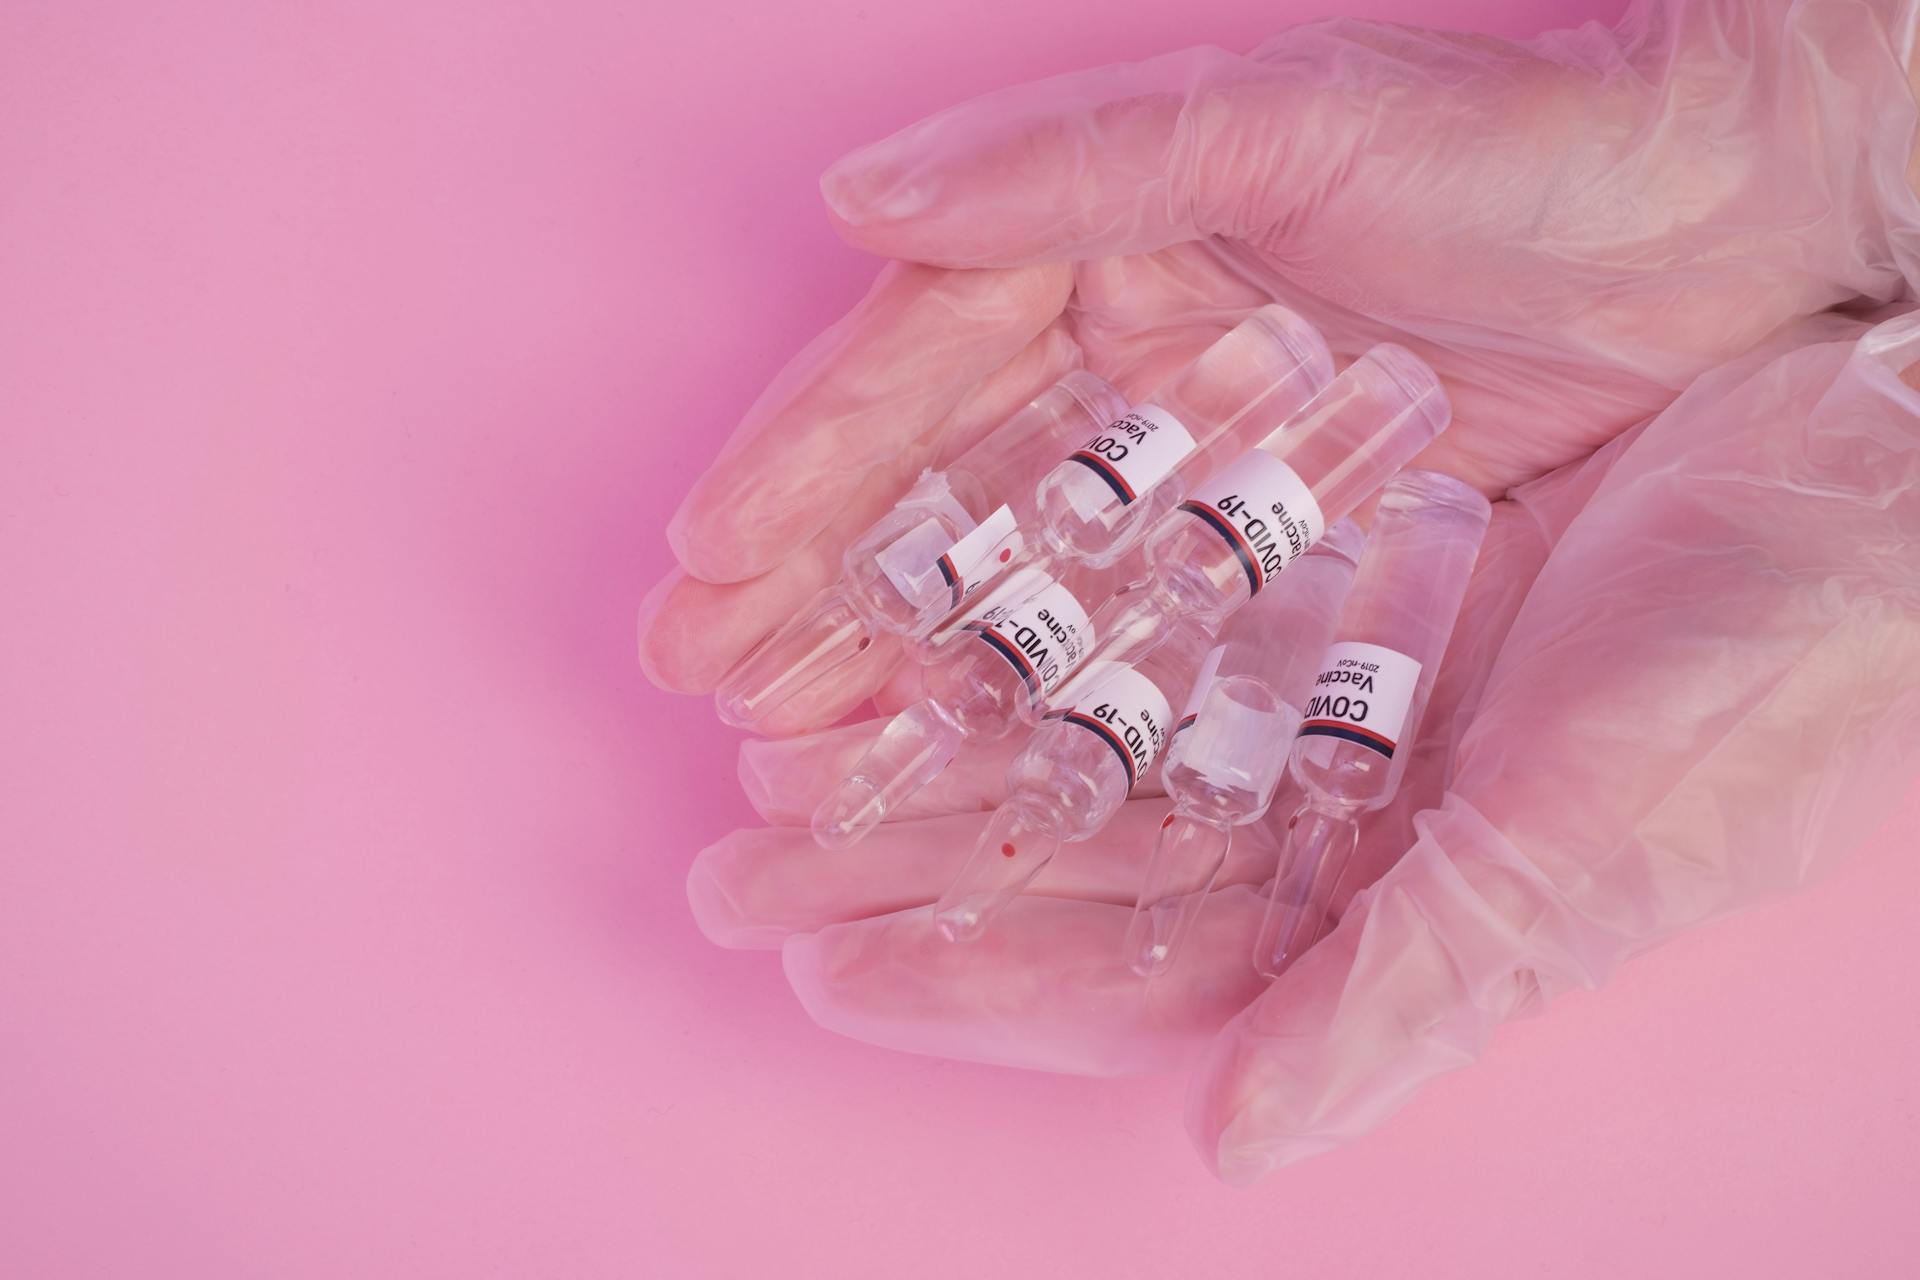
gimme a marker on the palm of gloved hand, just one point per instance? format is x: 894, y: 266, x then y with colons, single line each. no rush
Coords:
x: 1565, y: 230
x: 1557, y: 228
x: 1642, y: 732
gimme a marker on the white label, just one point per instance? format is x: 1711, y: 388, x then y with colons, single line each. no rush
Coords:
x: 972, y: 562
x: 1137, y: 452
x: 1362, y: 695
x: 1128, y: 712
x: 908, y: 561
x: 1042, y: 637
x: 1262, y: 509
x: 1209, y: 668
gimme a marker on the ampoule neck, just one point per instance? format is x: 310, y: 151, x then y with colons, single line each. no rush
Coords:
x: 1039, y: 809
x: 1044, y: 554
x: 1196, y: 575
x: 972, y: 706
x: 1212, y: 806
x: 1331, y: 808
x: 1153, y: 596
x: 1041, y: 817
x: 1208, y: 809
x: 1049, y: 545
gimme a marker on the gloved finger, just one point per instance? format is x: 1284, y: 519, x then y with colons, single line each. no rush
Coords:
x: 786, y: 778
x: 755, y: 887
x: 1047, y: 988
x: 859, y: 394
x: 1116, y: 160
x: 692, y: 632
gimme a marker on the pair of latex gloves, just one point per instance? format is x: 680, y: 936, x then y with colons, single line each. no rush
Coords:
x: 1662, y: 268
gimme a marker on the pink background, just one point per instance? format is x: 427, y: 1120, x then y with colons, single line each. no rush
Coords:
x: 351, y: 358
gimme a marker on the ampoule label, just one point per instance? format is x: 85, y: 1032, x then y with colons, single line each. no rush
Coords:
x: 970, y: 563
x: 1362, y: 695
x: 1042, y: 636
x: 1202, y: 682
x: 1128, y: 713
x: 1262, y: 509
x: 1137, y: 452
x: 908, y: 560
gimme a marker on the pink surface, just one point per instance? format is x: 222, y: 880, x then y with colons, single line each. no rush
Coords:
x: 351, y: 359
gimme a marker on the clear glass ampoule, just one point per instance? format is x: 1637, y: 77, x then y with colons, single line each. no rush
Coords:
x: 1026, y: 634
x: 1229, y: 747
x: 951, y: 533
x: 1073, y: 775
x: 1249, y: 520
x: 1099, y: 501
x: 1367, y: 698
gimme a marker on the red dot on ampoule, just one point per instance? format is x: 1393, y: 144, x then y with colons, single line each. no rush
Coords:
x: 1006, y: 554
x: 1167, y: 823
x: 1006, y: 850
x: 864, y: 642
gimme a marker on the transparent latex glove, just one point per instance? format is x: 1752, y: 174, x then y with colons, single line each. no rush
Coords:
x: 1568, y: 229
x: 1049, y: 987
x: 1682, y: 721
x: 1641, y: 733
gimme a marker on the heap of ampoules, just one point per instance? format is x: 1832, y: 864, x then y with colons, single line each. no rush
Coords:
x: 1083, y: 570
x: 998, y: 661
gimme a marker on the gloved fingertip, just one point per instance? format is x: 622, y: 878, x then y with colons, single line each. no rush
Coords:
x: 751, y: 770
x: 657, y: 642
x: 716, y: 913
x: 1240, y: 1169
x: 701, y: 551
x: 867, y: 187
x: 802, y: 962
x: 1241, y: 1147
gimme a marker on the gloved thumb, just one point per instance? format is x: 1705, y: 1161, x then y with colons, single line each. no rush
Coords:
x: 1460, y: 936
x: 1114, y: 160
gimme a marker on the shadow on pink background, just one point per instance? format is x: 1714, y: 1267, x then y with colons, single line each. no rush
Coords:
x: 351, y: 359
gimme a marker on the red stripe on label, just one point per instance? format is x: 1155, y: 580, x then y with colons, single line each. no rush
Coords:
x: 1351, y: 727
x: 1113, y: 740
x: 1105, y: 468
x: 1013, y: 657
x: 1231, y: 530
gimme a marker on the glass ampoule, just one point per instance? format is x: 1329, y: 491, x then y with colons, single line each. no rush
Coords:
x: 1101, y: 499
x: 1251, y: 519
x: 1229, y: 747
x: 1367, y: 699
x: 951, y: 534
x: 1073, y: 775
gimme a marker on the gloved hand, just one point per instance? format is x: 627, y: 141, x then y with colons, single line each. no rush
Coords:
x: 1569, y: 230
x: 1707, y: 681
